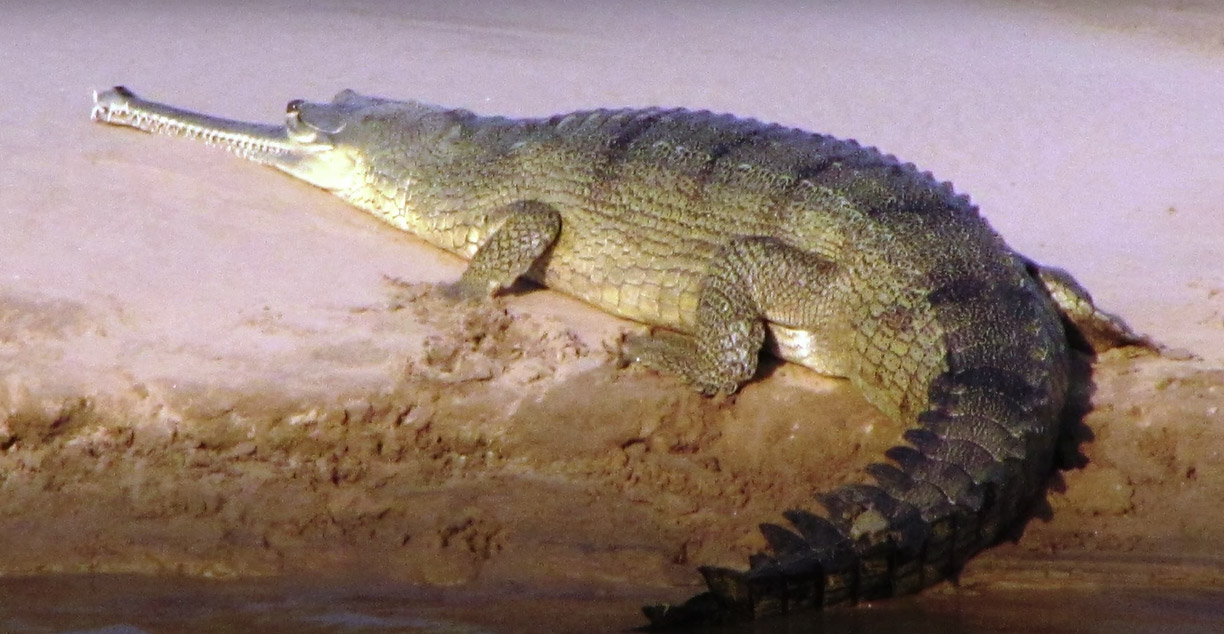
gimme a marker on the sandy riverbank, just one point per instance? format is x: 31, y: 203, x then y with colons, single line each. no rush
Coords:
x: 209, y: 369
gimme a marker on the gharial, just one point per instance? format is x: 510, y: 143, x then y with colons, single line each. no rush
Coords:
x: 731, y: 235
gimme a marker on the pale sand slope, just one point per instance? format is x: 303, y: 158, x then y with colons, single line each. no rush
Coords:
x: 207, y: 370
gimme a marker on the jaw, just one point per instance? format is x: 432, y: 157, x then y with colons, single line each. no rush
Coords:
x: 295, y: 151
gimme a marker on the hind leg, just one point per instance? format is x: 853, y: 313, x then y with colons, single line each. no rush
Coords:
x: 1100, y: 330
x: 751, y: 280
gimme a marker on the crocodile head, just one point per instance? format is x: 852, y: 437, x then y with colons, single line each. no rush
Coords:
x: 318, y: 142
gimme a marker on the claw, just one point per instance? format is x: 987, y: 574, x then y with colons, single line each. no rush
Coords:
x: 464, y: 291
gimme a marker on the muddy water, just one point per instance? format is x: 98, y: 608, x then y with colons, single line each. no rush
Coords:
x: 141, y: 605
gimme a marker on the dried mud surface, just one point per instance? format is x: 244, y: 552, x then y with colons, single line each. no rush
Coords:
x: 511, y: 453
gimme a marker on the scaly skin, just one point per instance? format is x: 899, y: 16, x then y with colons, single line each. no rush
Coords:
x: 727, y: 234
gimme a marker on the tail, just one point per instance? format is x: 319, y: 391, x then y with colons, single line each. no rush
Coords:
x: 981, y: 450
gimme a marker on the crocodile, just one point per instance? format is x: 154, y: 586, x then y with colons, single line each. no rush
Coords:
x: 728, y: 237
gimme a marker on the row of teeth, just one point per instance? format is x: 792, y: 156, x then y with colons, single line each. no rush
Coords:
x: 122, y: 114
x: 106, y: 113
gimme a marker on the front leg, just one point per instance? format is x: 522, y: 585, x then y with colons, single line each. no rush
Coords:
x: 530, y: 228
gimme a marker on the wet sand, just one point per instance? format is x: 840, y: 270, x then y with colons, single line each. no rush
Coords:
x: 212, y: 371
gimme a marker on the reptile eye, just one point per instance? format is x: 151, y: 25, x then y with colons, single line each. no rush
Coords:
x: 294, y: 106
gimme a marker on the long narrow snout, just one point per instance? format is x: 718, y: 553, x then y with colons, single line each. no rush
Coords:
x: 268, y: 144
x: 294, y: 148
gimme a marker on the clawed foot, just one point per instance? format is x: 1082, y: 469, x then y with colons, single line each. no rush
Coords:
x: 673, y: 353
x: 465, y: 291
